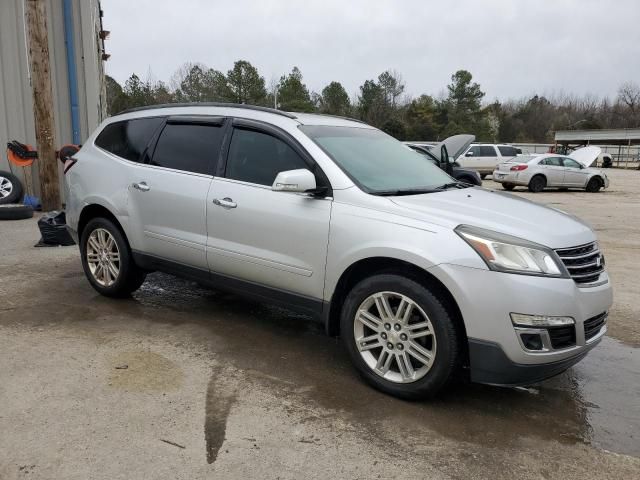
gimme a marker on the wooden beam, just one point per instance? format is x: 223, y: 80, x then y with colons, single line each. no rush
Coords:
x: 43, y: 107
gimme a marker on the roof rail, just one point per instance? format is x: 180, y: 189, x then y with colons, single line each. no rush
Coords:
x: 209, y: 104
x: 341, y: 117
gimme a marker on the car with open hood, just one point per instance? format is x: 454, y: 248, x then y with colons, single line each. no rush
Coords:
x: 423, y: 277
x: 552, y: 170
x: 445, y: 159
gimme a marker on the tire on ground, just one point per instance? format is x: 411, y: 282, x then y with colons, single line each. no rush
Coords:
x: 537, y: 184
x: 508, y: 186
x: 594, y: 185
x: 15, y: 211
x: 448, y: 338
x: 10, y: 188
x: 130, y: 276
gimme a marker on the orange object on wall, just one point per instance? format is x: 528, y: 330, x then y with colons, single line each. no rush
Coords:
x: 17, y: 160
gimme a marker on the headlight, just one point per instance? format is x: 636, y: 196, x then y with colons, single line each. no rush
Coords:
x: 505, y: 253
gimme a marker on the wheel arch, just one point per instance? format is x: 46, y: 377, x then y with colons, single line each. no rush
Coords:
x: 95, y: 210
x: 367, y: 267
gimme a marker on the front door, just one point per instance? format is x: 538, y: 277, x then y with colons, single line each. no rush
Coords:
x: 270, y: 238
x: 575, y: 174
x: 169, y: 191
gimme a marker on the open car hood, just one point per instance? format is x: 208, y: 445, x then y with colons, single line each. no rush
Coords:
x: 586, y: 155
x: 455, y: 146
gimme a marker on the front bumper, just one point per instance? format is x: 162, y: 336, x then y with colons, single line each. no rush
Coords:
x: 487, y: 298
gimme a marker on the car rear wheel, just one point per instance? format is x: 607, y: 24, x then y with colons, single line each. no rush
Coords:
x: 107, y: 260
x: 537, y: 184
x: 508, y: 186
x: 594, y: 185
x: 400, y: 337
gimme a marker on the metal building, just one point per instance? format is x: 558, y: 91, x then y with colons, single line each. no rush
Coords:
x: 76, y: 48
x: 622, y: 143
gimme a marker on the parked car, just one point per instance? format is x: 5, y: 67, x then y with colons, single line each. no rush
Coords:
x: 485, y: 157
x: 453, y: 144
x: 552, y: 170
x: 420, y: 275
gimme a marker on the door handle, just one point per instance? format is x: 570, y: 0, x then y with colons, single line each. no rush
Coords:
x: 142, y: 186
x: 225, y: 202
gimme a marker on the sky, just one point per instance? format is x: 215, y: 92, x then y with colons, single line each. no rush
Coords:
x: 513, y: 48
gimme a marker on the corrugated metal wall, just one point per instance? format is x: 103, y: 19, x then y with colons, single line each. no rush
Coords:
x: 16, y: 108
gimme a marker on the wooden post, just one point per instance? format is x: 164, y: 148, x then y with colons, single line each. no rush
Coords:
x: 43, y: 108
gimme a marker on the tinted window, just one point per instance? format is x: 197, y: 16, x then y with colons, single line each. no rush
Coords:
x: 129, y: 138
x: 256, y: 157
x: 508, y: 151
x: 188, y: 147
x: 552, y: 161
x: 487, y: 151
x: 568, y: 162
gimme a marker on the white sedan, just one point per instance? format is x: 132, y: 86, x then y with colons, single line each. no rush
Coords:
x: 553, y: 170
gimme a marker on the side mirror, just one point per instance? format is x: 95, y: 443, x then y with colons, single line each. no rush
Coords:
x: 468, y: 154
x: 298, y: 181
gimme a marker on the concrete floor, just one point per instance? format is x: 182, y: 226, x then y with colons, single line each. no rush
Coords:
x: 182, y: 382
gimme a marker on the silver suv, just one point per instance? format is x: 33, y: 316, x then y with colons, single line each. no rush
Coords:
x: 421, y: 276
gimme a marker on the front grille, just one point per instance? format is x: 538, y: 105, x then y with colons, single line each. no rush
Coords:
x: 593, y: 325
x: 562, y: 337
x: 584, y: 263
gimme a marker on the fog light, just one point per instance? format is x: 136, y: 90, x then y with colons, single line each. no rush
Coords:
x: 531, y: 341
x: 522, y: 320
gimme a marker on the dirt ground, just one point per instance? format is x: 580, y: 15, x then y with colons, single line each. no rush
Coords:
x: 183, y: 382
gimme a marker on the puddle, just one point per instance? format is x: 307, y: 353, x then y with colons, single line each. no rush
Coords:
x: 597, y: 402
x: 144, y: 371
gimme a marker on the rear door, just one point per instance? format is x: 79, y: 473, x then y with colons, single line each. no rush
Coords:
x: 553, y: 170
x: 168, y: 194
x: 575, y: 174
x: 269, y: 238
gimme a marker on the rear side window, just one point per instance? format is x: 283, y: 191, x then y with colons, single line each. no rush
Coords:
x: 128, y: 138
x: 257, y: 157
x: 487, y: 151
x: 188, y: 147
x: 508, y: 151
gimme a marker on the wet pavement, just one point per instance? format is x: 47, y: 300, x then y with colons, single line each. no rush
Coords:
x: 180, y: 381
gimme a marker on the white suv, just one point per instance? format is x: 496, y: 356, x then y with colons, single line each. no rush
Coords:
x: 484, y: 158
x: 420, y: 275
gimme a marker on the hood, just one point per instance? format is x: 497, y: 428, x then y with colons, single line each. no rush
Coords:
x: 455, y: 146
x: 586, y: 155
x: 500, y: 212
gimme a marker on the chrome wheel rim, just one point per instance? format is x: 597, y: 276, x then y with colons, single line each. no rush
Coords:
x: 103, y: 257
x: 6, y: 187
x: 395, y: 337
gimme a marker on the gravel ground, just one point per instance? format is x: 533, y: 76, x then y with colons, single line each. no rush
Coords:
x: 183, y: 382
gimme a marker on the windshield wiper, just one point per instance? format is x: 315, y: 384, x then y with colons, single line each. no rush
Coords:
x: 447, y: 186
x: 406, y: 191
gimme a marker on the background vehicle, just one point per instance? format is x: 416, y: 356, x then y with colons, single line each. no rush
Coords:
x: 485, y: 157
x: 452, y: 168
x: 336, y: 218
x: 552, y: 170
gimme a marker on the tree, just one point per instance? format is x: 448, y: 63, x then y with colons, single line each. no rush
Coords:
x: 463, y: 107
x: 334, y: 100
x: 245, y: 85
x: 420, y: 118
x: 293, y: 94
x: 138, y: 93
x: 117, y: 101
x: 392, y: 87
x: 195, y: 82
x: 371, y: 103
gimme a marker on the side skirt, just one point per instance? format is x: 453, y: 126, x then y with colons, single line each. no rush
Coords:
x: 308, y: 305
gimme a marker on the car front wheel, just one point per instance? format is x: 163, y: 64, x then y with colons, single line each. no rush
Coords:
x: 107, y: 260
x: 400, y: 337
x: 594, y: 185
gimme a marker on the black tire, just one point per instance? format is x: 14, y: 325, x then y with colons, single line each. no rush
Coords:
x: 130, y: 277
x: 447, y: 352
x: 10, y: 188
x: 15, y: 211
x: 594, y: 185
x: 508, y: 186
x: 537, y: 184
x: 483, y: 176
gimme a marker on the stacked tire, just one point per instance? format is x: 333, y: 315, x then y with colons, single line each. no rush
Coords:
x: 11, y: 193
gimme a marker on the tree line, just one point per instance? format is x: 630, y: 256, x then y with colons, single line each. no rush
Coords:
x: 383, y: 102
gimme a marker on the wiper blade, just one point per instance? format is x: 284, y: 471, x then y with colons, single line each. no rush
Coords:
x: 401, y: 192
x: 447, y: 186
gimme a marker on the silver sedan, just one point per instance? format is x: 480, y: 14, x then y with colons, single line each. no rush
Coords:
x: 552, y: 171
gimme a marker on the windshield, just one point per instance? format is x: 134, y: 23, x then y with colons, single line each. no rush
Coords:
x: 375, y: 161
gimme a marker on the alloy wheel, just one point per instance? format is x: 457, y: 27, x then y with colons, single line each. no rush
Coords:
x: 395, y: 337
x: 103, y: 257
x: 6, y: 187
